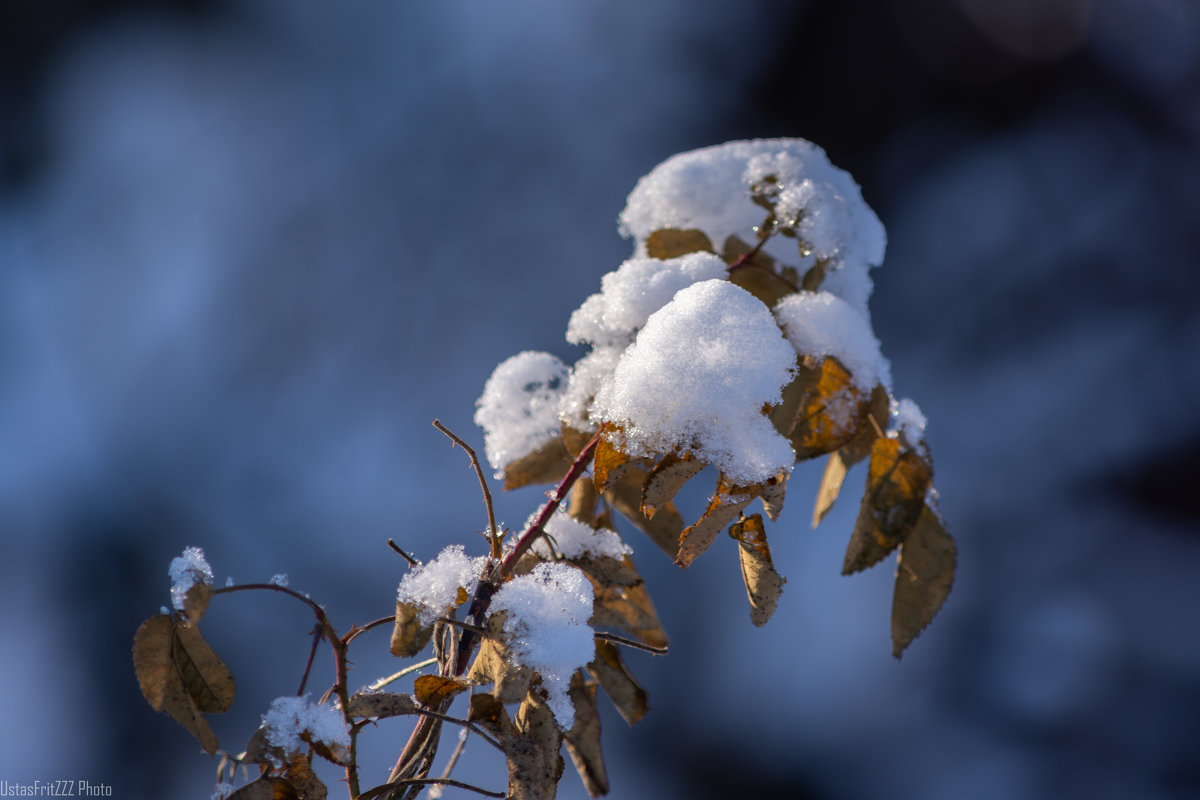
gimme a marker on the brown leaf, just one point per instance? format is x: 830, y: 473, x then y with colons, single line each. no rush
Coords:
x: 608, y: 571
x: 195, y: 601
x: 583, y: 740
x: 581, y: 502
x: 379, y: 705
x: 674, y: 242
x: 626, y: 497
x: 260, y: 751
x: 816, y: 273
x: 666, y: 479
x: 831, y: 486
x: 897, y: 481
x: 534, y: 763
x: 784, y: 415
x: 431, y: 690
x: 831, y: 411
x: 629, y: 698
x: 874, y: 423
x: 409, y: 636
x: 544, y: 465
x: 610, y: 462
x: 575, y: 440
x: 266, y: 788
x: 160, y: 679
x: 485, y: 708
x: 204, y: 674
x: 630, y: 609
x: 924, y: 577
x: 763, y: 583
x: 757, y: 275
x: 300, y: 775
x: 773, y: 492
x: 724, y: 506
x: 493, y: 664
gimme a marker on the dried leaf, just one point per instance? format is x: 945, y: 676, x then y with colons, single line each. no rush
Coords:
x: 831, y: 412
x: 207, y: 679
x: 610, y: 462
x: 266, y: 788
x: 195, y: 601
x: 673, y: 242
x: 162, y: 681
x: 763, y: 584
x: 544, y: 465
x: 409, y: 636
x: 666, y: 479
x: 773, y: 492
x: 897, y: 481
x: 534, y: 763
x: 307, y: 785
x: 583, y: 740
x: 581, y: 502
x: 431, y: 690
x: 757, y: 275
x: 575, y: 440
x: 379, y: 705
x: 260, y: 751
x: 924, y: 577
x: 831, y: 486
x: 784, y: 415
x: 626, y: 497
x: 629, y: 698
x: 608, y: 571
x: 493, y: 664
x: 874, y: 423
x: 486, y: 708
x: 724, y: 506
x: 628, y: 608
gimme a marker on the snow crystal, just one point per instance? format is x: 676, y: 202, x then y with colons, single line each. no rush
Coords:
x: 434, y: 586
x: 547, y: 630
x: 709, y: 189
x: 634, y: 291
x: 820, y: 324
x: 908, y: 421
x: 586, y: 378
x: 229, y: 581
x: 289, y: 718
x: 518, y: 409
x: 575, y: 539
x: 185, y: 572
x: 222, y: 791
x: 697, y: 379
x: 279, y: 579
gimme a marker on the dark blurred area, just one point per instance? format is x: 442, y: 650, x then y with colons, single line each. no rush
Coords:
x: 248, y: 251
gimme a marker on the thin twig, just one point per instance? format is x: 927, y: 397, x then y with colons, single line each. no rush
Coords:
x: 412, y: 562
x: 409, y: 670
x: 375, y: 623
x: 317, y: 635
x: 471, y: 726
x: 466, y: 626
x: 493, y: 531
x: 458, y: 751
x: 634, y: 643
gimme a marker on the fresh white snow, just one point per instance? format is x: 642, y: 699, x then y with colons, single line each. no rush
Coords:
x: 185, y: 572
x: 575, y: 539
x: 518, y: 409
x: 434, y: 587
x: 821, y: 324
x: 289, y: 718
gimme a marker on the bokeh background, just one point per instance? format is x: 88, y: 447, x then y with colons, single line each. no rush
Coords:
x: 249, y: 250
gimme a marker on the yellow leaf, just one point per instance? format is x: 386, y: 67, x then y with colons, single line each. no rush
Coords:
x: 610, y: 462
x: 547, y: 464
x: 763, y: 584
x: 898, y: 479
x: 724, y: 507
x: 628, y: 697
x: 431, y: 690
x: 924, y: 577
x: 583, y: 740
x: 665, y: 480
x: 673, y: 242
x: 858, y: 448
x: 409, y: 636
x: 831, y: 412
x: 664, y: 529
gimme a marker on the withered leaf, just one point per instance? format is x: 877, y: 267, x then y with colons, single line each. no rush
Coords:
x: 774, y: 491
x: 674, y: 242
x: 485, y: 708
x: 724, y: 506
x: 581, y: 502
x: 763, y: 584
x: 629, y: 698
x: 816, y: 273
x: 380, y: 705
x: 607, y: 570
x: 665, y: 480
x: 195, y: 601
x: 583, y: 740
x: 532, y: 754
x: 610, y: 462
x: 544, y: 465
x: 924, y: 577
x: 260, y: 751
x: 493, y: 664
x: 431, y: 690
x: 626, y: 497
x: 162, y: 683
x: 630, y: 609
x: 831, y: 410
x: 204, y: 674
x: 575, y: 440
x: 409, y: 636
x: 858, y: 448
x: 757, y: 275
x: 266, y: 788
x: 784, y: 415
x: 897, y: 481
x: 831, y: 486
x: 300, y: 775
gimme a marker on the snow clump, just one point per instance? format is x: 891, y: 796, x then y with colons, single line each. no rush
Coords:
x: 575, y: 539
x: 908, y: 421
x: 434, y: 587
x: 518, y: 409
x: 547, y: 628
x: 289, y: 718
x: 821, y: 324
x: 185, y: 572
x: 696, y: 380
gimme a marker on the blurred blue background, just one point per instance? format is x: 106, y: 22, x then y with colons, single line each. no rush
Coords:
x: 249, y: 250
